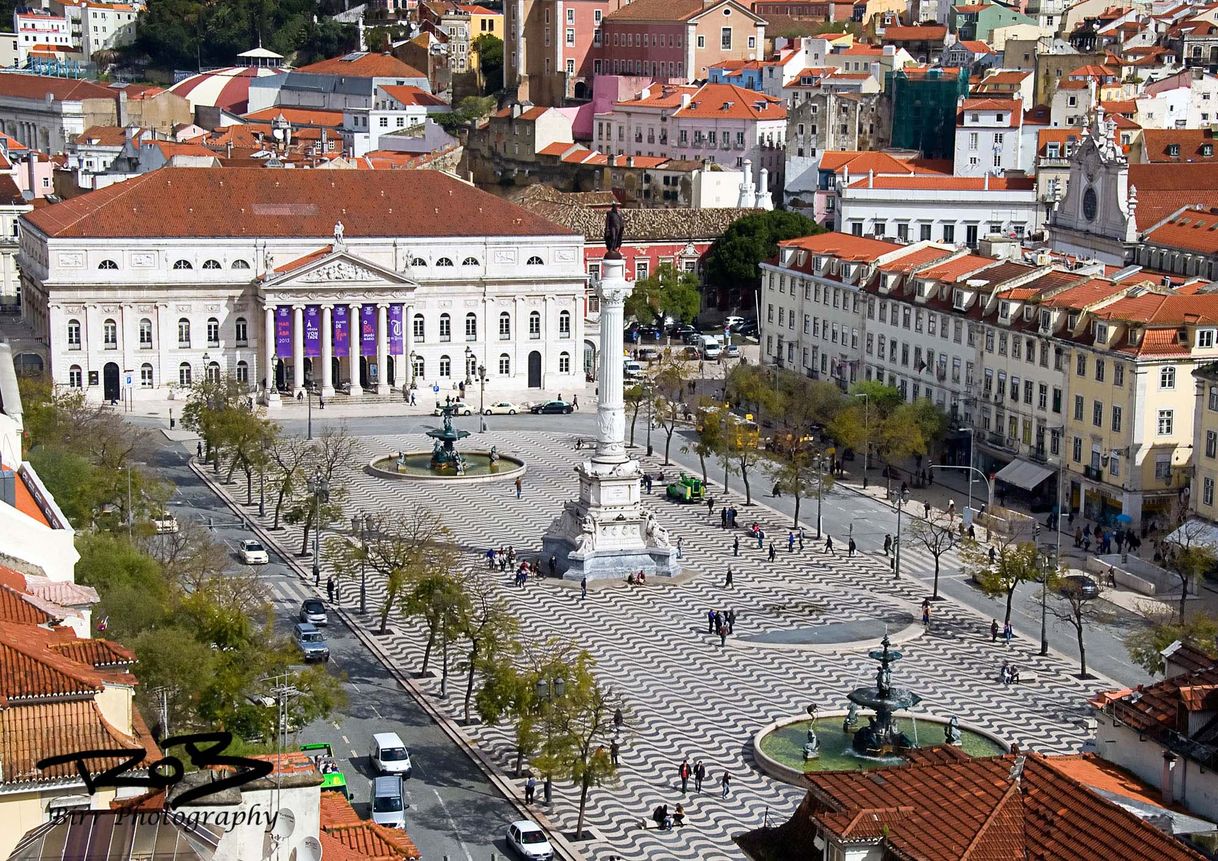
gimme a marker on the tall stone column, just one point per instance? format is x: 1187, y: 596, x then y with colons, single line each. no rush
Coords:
x: 406, y: 375
x: 297, y: 349
x: 327, y: 353
x: 268, y: 356
x: 611, y: 405
x: 354, y: 339
x: 382, y: 349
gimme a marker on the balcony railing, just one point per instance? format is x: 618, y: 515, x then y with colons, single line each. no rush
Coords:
x: 1093, y: 472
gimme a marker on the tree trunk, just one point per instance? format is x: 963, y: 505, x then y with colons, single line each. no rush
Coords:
x: 798, y: 499
x: 469, y: 682
x: 1082, y: 650
x: 1183, y: 596
x: 726, y: 466
x: 304, y: 543
x: 385, y: 608
x: 232, y: 468
x: 283, y: 490
x: 1010, y: 597
x: 519, y: 759
x: 633, y: 421
x: 668, y: 443
x: 702, y: 462
x: 935, y: 594
x: 748, y: 492
x: 249, y: 487
x: 431, y: 641
x: 583, y: 806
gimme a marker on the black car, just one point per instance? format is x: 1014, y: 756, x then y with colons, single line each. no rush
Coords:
x: 683, y: 329
x: 748, y: 329
x: 561, y: 407
x: 1081, y: 585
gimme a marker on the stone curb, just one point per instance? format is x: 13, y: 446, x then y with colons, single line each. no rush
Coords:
x: 564, y: 848
x: 910, y: 632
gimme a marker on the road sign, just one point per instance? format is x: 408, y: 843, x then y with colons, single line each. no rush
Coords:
x: 128, y: 379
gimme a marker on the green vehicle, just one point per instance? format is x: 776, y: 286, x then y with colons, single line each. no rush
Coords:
x: 686, y: 489
x: 323, y: 758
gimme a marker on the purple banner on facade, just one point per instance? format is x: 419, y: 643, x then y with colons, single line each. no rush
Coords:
x: 397, y: 343
x: 342, y: 330
x: 283, y: 331
x: 367, y: 330
x: 312, y: 331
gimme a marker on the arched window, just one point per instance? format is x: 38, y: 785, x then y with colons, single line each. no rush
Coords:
x: 110, y: 335
x: 76, y: 378
x: 73, y: 334
x: 505, y: 326
x: 213, y: 332
x: 446, y: 328
x: 211, y: 264
x: 505, y: 364
x: 417, y: 261
x: 145, y: 334
x: 564, y: 363
x: 446, y: 366
x: 533, y: 261
x: 419, y: 366
x: 182, y: 264
x: 534, y: 324
x: 444, y: 261
x: 242, y: 330
x: 470, y: 261
x: 107, y: 264
x: 183, y: 332
x: 564, y: 324
x: 243, y: 372
x: 213, y: 372
x: 471, y: 327
x: 241, y: 264
x: 184, y: 374
x: 145, y: 376
x: 417, y: 324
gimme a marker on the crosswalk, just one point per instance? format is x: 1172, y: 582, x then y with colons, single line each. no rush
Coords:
x: 685, y: 694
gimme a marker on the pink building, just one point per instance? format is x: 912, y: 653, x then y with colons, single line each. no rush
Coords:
x: 549, y: 47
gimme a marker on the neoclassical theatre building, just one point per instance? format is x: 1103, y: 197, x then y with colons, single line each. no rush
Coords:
x: 346, y: 281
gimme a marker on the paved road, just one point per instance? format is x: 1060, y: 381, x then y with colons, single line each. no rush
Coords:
x: 454, y: 811
x: 844, y: 511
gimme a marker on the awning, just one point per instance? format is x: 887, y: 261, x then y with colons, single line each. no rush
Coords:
x: 1023, y: 473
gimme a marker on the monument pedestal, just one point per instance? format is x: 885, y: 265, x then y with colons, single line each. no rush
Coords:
x: 607, y: 533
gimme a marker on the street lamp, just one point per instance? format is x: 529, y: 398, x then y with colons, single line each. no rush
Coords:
x: 549, y: 692
x: 820, y: 486
x: 361, y: 527
x: 319, y: 487
x: 896, y: 554
x: 469, y: 365
x: 413, y: 358
x: 481, y: 371
x: 262, y: 479
x: 650, y: 403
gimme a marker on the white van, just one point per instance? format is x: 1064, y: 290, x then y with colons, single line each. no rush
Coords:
x: 631, y: 369
x: 388, y: 755
x: 711, y: 346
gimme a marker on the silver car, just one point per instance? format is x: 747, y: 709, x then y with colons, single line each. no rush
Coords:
x: 314, y: 612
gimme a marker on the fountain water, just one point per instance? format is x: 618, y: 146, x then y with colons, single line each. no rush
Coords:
x: 881, y: 737
x: 444, y: 456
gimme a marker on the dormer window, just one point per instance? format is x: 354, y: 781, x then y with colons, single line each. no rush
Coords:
x: 1207, y: 150
x: 959, y: 301
x: 1072, y: 321
x: 1046, y: 321
x: 1004, y: 310
x: 1101, y: 333
x: 1173, y: 150
x: 1205, y: 339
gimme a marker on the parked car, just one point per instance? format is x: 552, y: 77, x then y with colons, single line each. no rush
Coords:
x: 648, y: 354
x: 388, y: 755
x: 528, y: 841
x: 731, y: 351
x: 166, y: 524
x: 252, y: 552
x: 747, y: 329
x: 682, y: 329
x: 460, y: 408
x: 310, y: 641
x: 313, y: 611
x: 1081, y: 585
x: 501, y: 408
x: 730, y: 323
x: 552, y: 407
x: 388, y: 807
x: 694, y: 339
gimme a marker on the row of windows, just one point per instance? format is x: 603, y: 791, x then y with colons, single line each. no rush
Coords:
x: 185, y: 374
x: 1167, y: 376
x: 419, y: 327
x: 1097, y: 414
x: 505, y: 365
x: 415, y: 262
x: 110, y: 333
x: 1027, y: 348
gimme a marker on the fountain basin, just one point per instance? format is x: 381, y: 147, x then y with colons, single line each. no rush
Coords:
x: 417, y: 467
x: 778, y: 747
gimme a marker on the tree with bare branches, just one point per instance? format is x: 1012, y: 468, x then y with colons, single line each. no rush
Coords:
x: 1188, y: 554
x: 938, y: 537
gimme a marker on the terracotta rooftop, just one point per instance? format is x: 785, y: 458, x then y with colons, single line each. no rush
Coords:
x: 1188, y: 230
x: 39, y: 87
x: 29, y: 733
x: 362, y: 65
x: 1190, y: 145
x: 299, y: 116
x: 914, y: 258
x: 1156, y: 309
x: 410, y: 95
x: 844, y: 246
x: 925, y: 182
x: 237, y: 202
x: 1084, y: 295
x: 974, y: 809
x: 727, y: 101
x: 930, y: 32
x: 365, y: 840
x: 656, y: 10
x: 952, y: 270
x: 105, y: 136
x: 859, y: 163
x: 17, y: 609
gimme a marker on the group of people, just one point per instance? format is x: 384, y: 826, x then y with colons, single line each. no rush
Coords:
x: 727, y: 515
x: 501, y: 558
x: 1007, y: 632
x: 637, y: 578
x: 666, y: 820
x: 1008, y: 674
x: 721, y: 623
x: 1105, y: 539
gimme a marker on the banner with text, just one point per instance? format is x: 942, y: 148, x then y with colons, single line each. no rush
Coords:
x: 397, y: 343
x: 342, y: 331
x: 312, y: 331
x: 283, y: 332
x: 367, y: 330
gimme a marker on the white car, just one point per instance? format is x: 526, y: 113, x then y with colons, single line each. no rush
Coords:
x: 732, y: 322
x: 166, y: 524
x: 529, y: 841
x: 253, y: 553
x: 501, y: 408
x: 459, y: 408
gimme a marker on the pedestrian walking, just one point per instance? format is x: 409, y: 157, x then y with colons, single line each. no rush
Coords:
x: 828, y: 543
x: 790, y: 541
x: 993, y: 630
x: 583, y: 587
x: 972, y: 532
x: 723, y: 517
x: 887, y: 545
x: 723, y: 632
x: 685, y: 772
x: 413, y: 402
x: 850, y: 548
x: 726, y: 783
x: 518, y: 487
x: 801, y: 539
x: 926, y: 510
x: 736, y: 546
x: 330, y: 588
x: 680, y: 541
x: 1007, y: 633
x: 710, y: 507
x: 699, y: 775
x: 993, y: 553
x: 760, y: 539
x: 925, y: 612
x: 614, y: 750
x: 710, y: 621
x: 727, y: 583
x: 575, y: 401
x: 771, y: 553
x: 199, y: 450
x: 530, y: 787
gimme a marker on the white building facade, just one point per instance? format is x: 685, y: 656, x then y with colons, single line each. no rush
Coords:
x: 137, y: 300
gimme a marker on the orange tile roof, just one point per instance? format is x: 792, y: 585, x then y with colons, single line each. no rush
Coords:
x: 938, y: 182
x: 410, y: 95
x: 311, y: 257
x: 529, y: 115
x: 861, y: 161
x: 26, y: 503
x: 930, y: 33
x: 365, y: 839
x: 1157, y: 309
x: 362, y: 65
x: 104, y: 136
x: 1083, y: 295
x: 915, y: 258
x: 1155, y: 143
x: 976, y: 46
x: 249, y: 202
x: 61, y: 89
x: 17, y: 609
x: 656, y: 10
x: 1189, y: 230
x: 953, y: 270
x: 844, y: 246
x: 727, y: 101
x: 299, y: 116
x: 1165, y: 188
x: 99, y: 654
x: 29, y: 733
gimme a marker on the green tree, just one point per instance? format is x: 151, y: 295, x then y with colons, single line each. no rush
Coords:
x: 667, y: 393
x: 634, y: 397
x: 323, y: 459
x: 287, y: 457
x: 132, y: 586
x: 753, y: 388
x: 665, y: 293
x: 710, y: 438
x: 742, y: 448
x: 466, y: 111
x: 489, y: 49
x: 185, y: 34
x: 732, y: 262
x: 1147, y: 642
x: 801, y: 472
x: 489, y: 630
x: 1014, y: 563
x: 438, y: 599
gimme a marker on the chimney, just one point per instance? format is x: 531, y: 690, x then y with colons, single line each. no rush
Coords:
x: 646, y: 94
x: 685, y: 100
x: 122, y: 107
x: 987, y: 180
x: 515, y: 109
x: 629, y: 161
x: 763, y: 199
x: 871, y: 179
